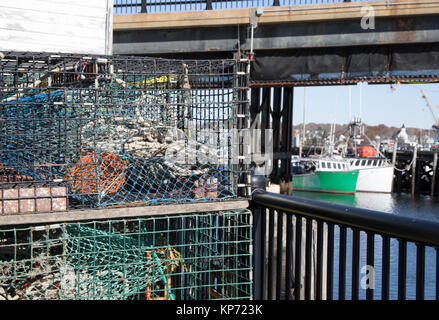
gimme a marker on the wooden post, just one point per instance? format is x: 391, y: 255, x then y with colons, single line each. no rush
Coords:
x: 398, y: 181
x: 433, y: 179
x: 286, y: 182
x: 275, y: 116
x: 415, y: 154
x: 395, y: 148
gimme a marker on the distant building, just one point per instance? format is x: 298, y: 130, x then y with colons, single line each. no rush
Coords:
x: 428, y: 140
x: 402, y: 135
x: 296, y: 141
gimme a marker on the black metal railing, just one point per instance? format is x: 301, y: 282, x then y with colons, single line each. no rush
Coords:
x: 306, y: 249
x: 156, y: 6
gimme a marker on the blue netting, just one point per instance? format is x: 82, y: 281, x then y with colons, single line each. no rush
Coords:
x: 134, y: 136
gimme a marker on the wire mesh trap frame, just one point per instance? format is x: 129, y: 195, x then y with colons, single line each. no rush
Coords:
x: 194, y: 256
x: 91, y: 132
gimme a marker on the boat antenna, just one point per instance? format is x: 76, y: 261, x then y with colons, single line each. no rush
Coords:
x: 350, y: 103
x: 302, y: 141
x: 361, y: 99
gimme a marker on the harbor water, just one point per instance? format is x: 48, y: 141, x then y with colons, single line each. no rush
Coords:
x: 422, y: 207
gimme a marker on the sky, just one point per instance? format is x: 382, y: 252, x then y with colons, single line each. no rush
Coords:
x: 381, y: 105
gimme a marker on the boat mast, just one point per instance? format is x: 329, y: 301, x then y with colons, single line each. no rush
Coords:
x: 350, y: 104
x: 361, y: 99
x: 353, y: 132
x: 302, y: 140
x: 357, y: 121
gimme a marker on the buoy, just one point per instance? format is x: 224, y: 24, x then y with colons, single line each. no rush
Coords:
x: 367, y: 151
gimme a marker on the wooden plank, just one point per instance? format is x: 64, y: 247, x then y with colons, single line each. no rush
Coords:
x: 68, y: 31
x: 53, y: 39
x: 80, y: 3
x: 29, y: 41
x: 126, y: 212
x: 206, y: 18
x: 56, y: 26
x: 109, y: 28
x: 67, y: 7
x: 64, y: 23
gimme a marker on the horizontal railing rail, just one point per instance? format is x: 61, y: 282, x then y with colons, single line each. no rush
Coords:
x: 307, y: 249
x: 410, y: 229
x: 156, y: 6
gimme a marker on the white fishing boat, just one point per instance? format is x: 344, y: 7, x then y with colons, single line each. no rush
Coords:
x: 375, y: 172
x: 324, y: 174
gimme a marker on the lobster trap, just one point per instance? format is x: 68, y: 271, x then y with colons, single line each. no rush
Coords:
x: 93, y: 132
x: 195, y: 256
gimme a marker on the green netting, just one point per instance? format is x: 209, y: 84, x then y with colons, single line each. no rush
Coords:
x: 195, y: 256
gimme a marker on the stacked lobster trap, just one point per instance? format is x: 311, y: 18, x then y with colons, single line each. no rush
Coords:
x: 193, y: 256
x: 80, y: 132
x: 94, y: 132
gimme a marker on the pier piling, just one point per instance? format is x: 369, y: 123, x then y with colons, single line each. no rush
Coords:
x: 413, y: 186
x: 395, y: 149
x: 433, y: 178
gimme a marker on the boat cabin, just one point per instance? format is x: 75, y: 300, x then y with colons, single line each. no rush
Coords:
x: 332, y: 165
x: 368, y: 163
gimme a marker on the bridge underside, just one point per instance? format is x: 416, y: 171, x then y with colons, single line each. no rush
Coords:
x: 310, y: 53
x: 230, y: 38
x: 337, y: 66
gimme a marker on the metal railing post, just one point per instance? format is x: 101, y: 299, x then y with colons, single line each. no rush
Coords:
x: 143, y: 6
x: 258, y: 185
x: 374, y: 223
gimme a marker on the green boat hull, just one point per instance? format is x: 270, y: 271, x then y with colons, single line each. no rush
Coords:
x: 327, y: 181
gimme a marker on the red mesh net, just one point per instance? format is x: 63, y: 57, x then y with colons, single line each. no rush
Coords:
x: 109, y: 169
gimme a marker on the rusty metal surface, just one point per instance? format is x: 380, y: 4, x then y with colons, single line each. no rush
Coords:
x: 337, y: 82
x: 279, y: 35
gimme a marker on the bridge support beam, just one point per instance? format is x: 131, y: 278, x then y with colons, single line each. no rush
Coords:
x: 277, y: 104
x: 286, y: 185
x: 298, y: 27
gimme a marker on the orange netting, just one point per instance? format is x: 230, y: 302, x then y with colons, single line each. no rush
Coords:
x: 8, y: 174
x: 110, y: 172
